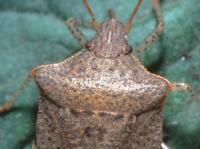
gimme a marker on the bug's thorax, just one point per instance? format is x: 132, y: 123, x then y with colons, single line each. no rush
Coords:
x: 110, y: 40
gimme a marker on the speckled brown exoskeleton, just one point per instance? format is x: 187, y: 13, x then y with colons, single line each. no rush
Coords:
x: 101, y: 97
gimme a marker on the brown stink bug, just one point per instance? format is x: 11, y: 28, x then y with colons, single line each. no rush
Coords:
x: 101, y: 97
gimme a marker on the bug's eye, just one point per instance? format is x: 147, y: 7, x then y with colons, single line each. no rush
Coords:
x: 129, y: 49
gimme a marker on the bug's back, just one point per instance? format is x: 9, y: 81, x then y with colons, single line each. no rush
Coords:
x: 90, y: 102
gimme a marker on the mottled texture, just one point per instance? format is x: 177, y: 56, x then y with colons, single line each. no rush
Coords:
x: 110, y: 41
x: 88, y: 95
x: 147, y: 127
x: 33, y: 33
x: 65, y: 128
x: 99, y: 97
x: 85, y: 81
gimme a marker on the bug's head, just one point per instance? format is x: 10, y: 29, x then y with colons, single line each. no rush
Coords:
x: 110, y: 40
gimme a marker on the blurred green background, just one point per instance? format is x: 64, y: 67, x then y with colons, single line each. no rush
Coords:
x: 32, y: 32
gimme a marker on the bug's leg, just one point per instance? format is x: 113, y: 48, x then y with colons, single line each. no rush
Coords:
x: 9, y: 103
x: 71, y: 24
x: 184, y: 87
x: 156, y: 32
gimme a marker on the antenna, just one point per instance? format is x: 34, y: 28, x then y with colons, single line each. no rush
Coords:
x: 94, y: 22
x: 130, y: 21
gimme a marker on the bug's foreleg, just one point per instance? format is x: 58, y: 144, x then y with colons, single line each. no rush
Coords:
x: 9, y: 103
x: 77, y: 34
x: 184, y: 87
x: 156, y: 32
